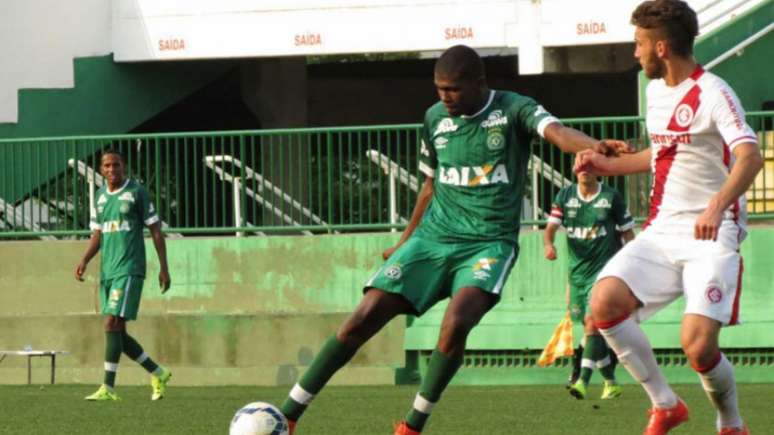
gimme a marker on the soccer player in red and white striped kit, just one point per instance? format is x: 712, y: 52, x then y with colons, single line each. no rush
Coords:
x: 703, y: 157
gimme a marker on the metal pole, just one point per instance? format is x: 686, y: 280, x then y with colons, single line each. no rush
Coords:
x: 238, y: 205
x: 29, y: 369
x: 393, y: 203
x: 53, y: 367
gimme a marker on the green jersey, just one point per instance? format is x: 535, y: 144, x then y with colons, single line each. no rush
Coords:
x: 121, y: 216
x: 479, y: 164
x: 593, y: 226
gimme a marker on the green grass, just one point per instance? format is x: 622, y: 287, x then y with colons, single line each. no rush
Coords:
x: 360, y: 410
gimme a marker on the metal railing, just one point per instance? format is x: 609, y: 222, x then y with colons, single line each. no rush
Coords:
x: 295, y: 181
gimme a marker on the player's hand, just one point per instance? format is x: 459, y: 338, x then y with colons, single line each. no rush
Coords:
x: 388, y: 252
x: 164, y: 281
x: 550, y: 252
x: 587, y: 161
x: 613, y: 147
x: 708, y: 224
x: 80, y: 269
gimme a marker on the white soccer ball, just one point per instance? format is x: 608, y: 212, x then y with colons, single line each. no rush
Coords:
x: 259, y: 418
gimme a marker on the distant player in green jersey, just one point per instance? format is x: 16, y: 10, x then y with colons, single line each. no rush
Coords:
x: 123, y: 208
x: 461, y: 240
x: 597, y: 222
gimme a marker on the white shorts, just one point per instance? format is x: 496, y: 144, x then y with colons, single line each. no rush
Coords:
x: 659, y: 268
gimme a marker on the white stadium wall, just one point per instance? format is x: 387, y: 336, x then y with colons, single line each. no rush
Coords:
x: 39, y: 40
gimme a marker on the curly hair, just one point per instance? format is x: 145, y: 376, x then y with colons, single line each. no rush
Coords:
x: 674, y: 17
x: 460, y: 61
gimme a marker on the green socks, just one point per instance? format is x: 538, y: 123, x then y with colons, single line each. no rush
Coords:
x: 113, y: 349
x: 133, y: 350
x: 596, y: 354
x: 440, y: 372
x: 332, y: 356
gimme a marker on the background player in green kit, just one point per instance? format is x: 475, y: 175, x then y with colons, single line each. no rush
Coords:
x: 123, y: 209
x: 597, y: 220
x: 474, y: 152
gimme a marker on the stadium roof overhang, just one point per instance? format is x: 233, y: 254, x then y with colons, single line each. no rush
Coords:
x: 157, y: 30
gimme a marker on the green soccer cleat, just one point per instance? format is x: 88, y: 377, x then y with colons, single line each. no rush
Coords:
x: 159, y: 384
x: 103, y: 393
x: 578, y: 390
x: 611, y: 390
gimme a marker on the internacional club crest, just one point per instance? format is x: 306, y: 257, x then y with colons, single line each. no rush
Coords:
x: 684, y: 115
x: 714, y: 295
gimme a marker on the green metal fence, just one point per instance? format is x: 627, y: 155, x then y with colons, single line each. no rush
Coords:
x: 299, y: 181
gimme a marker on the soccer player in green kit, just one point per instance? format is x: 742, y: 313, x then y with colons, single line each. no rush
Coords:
x: 461, y: 240
x: 597, y: 220
x: 123, y: 209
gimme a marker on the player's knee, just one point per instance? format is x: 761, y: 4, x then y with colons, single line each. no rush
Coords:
x: 701, y: 353
x: 611, y: 299
x: 115, y: 324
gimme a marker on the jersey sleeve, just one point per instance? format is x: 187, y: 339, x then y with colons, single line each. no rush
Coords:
x: 728, y: 116
x: 533, y: 117
x: 94, y: 223
x: 94, y: 220
x: 623, y: 219
x: 147, y: 211
x: 428, y: 160
x: 557, y: 212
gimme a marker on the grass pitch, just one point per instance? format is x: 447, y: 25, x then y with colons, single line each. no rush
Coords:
x: 486, y: 410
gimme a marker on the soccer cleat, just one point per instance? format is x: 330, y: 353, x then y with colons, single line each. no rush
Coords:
x: 735, y: 431
x: 403, y: 428
x: 573, y: 378
x: 103, y: 393
x: 662, y: 420
x: 578, y: 390
x: 159, y: 384
x: 291, y: 427
x: 611, y: 390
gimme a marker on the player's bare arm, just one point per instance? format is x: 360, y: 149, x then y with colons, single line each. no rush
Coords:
x: 161, y: 250
x: 571, y: 140
x: 423, y: 199
x: 599, y: 164
x: 748, y: 163
x: 91, y: 251
x: 549, y: 235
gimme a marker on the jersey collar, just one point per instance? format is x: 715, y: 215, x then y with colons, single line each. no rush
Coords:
x: 483, y: 109
x: 107, y: 188
x: 593, y: 197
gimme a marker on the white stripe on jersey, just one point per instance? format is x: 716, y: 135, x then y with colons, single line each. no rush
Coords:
x: 693, y: 128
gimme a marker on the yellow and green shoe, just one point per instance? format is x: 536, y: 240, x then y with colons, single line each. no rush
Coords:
x: 611, y: 390
x: 159, y: 383
x: 578, y: 390
x: 103, y: 393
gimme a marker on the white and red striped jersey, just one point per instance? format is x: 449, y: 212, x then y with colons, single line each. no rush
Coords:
x: 693, y: 128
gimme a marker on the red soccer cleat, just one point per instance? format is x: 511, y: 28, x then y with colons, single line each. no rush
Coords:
x: 403, y: 428
x: 663, y: 420
x: 734, y: 431
x: 291, y: 427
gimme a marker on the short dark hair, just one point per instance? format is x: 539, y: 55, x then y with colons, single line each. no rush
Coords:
x: 674, y: 17
x: 460, y: 62
x: 114, y: 152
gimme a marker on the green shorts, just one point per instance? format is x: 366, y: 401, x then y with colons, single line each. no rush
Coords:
x: 426, y: 271
x: 120, y: 296
x: 580, y: 297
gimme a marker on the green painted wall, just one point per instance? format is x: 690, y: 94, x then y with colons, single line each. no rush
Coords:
x: 108, y: 98
x: 255, y: 310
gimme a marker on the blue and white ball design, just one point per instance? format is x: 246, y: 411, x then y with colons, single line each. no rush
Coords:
x: 259, y: 418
